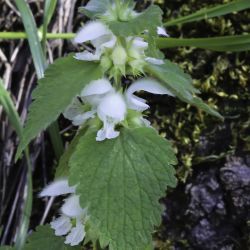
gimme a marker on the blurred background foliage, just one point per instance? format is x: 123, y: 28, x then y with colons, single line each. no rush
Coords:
x: 210, y: 208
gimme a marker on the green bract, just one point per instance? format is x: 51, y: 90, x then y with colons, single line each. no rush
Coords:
x: 180, y: 84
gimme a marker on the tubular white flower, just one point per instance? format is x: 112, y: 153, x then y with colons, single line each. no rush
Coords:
x: 81, y: 119
x: 154, y: 60
x: 61, y: 225
x: 56, y: 188
x: 76, y: 234
x: 145, y: 84
x: 100, y: 37
x: 71, y: 207
x: 92, y: 94
x: 91, y: 31
x: 71, y: 211
x: 95, y: 90
x: 87, y: 56
x: 162, y: 32
x: 111, y: 110
x: 97, y: 87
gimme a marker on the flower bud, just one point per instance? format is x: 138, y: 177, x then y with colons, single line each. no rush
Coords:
x: 119, y: 57
x: 106, y: 63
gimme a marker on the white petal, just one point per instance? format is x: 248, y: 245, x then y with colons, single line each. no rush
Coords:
x: 91, y: 31
x: 137, y: 103
x: 76, y: 235
x: 61, y: 225
x: 154, y: 60
x: 145, y: 122
x: 80, y: 119
x: 140, y: 43
x: 71, y: 207
x: 74, y: 109
x: 106, y: 41
x: 112, y: 107
x: 148, y: 85
x: 107, y: 133
x: 162, y: 32
x: 87, y: 56
x: 56, y: 188
x: 111, y: 110
x: 98, y: 87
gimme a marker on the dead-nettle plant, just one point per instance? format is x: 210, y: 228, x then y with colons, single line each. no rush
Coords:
x: 117, y: 167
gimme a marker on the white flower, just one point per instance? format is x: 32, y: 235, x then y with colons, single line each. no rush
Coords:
x: 162, y: 32
x: 114, y: 56
x: 111, y: 111
x: 112, y: 107
x: 70, y: 211
x: 109, y: 106
x: 100, y: 37
x: 145, y: 84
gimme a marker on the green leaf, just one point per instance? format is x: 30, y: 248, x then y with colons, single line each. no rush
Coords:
x: 223, y: 43
x: 96, y: 8
x: 44, y: 238
x: 180, y: 84
x: 121, y: 181
x: 39, y: 62
x: 63, y: 81
x: 216, y: 11
x: 7, y: 248
x: 150, y: 19
x: 63, y: 167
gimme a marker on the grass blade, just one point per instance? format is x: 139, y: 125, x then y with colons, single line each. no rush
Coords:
x: 34, y: 43
x: 14, y: 119
x: 40, y: 63
x: 216, y: 11
x: 49, y: 8
x: 10, y: 110
x: 224, y: 43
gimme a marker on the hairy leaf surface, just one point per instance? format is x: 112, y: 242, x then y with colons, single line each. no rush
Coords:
x: 96, y: 8
x: 62, y: 169
x: 180, y: 84
x: 150, y: 19
x: 44, y: 238
x: 62, y: 82
x: 121, y: 182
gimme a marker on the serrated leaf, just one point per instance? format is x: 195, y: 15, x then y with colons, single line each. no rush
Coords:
x: 180, y: 84
x: 62, y: 82
x: 150, y: 19
x: 44, y: 238
x: 121, y: 181
x: 96, y: 8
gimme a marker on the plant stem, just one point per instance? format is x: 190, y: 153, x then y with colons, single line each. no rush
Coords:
x: 23, y: 35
